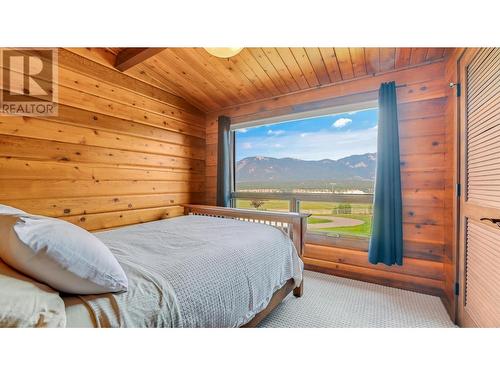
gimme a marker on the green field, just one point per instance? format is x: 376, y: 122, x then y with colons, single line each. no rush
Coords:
x: 317, y: 220
x: 322, y: 214
x: 362, y: 230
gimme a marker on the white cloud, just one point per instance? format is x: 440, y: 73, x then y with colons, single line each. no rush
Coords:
x: 317, y: 145
x: 275, y: 132
x: 303, y: 135
x: 247, y: 145
x: 242, y: 130
x: 341, y: 122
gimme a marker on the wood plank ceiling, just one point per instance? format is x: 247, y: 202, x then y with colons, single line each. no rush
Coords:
x: 212, y: 83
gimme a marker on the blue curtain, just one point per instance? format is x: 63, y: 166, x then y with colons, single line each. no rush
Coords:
x: 224, y: 162
x: 386, y: 242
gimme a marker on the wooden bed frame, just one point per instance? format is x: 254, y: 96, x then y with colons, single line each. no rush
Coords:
x: 291, y: 223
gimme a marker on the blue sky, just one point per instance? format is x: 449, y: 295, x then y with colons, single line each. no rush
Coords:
x: 326, y: 137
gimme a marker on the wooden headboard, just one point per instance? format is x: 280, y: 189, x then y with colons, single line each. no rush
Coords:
x: 121, y: 151
x: 294, y: 224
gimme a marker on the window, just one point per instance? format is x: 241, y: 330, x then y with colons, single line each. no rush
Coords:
x: 322, y: 165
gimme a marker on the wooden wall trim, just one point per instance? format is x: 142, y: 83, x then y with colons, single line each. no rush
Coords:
x: 451, y: 179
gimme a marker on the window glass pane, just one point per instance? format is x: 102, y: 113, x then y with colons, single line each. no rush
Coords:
x: 338, y: 219
x: 325, y: 157
x: 263, y: 204
x: 328, y: 154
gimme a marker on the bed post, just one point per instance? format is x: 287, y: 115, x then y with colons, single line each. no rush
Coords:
x: 299, y: 235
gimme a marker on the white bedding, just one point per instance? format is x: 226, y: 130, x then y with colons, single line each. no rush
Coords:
x: 195, y: 271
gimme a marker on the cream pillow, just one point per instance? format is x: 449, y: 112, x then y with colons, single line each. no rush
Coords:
x: 26, y: 303
x: 59, y: 254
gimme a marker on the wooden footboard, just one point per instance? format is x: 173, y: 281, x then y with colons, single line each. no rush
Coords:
x: 292, y: 223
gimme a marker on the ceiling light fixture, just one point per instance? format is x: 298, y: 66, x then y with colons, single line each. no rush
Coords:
x: 224, y: 52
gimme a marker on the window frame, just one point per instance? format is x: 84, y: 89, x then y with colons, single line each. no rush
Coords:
x: 344, y: 241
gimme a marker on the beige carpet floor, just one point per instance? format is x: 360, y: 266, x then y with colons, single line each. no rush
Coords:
x: 336, y: 302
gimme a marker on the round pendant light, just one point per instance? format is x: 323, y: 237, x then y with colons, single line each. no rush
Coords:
x: 224, y: 52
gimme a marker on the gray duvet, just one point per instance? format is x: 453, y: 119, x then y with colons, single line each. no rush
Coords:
x: 195, y: 271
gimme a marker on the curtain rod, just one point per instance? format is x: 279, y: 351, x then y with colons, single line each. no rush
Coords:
x: 397, y: 86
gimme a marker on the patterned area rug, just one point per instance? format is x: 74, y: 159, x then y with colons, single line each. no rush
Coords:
x: 336, y: 302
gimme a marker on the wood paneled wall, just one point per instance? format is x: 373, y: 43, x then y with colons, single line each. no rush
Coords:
x: 120, y: 151
x: 422, y: 99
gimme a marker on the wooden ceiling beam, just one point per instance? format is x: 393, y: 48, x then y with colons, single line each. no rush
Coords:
x: 130, y: 57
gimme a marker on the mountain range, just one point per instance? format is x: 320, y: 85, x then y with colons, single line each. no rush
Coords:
x: 260, y: 168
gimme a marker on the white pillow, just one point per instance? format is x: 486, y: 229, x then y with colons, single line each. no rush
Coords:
x: 26, y: 303
x: 7, y: 210
x: 59, y: 254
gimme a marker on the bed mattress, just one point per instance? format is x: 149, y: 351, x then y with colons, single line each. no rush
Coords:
x: 190, y: 271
